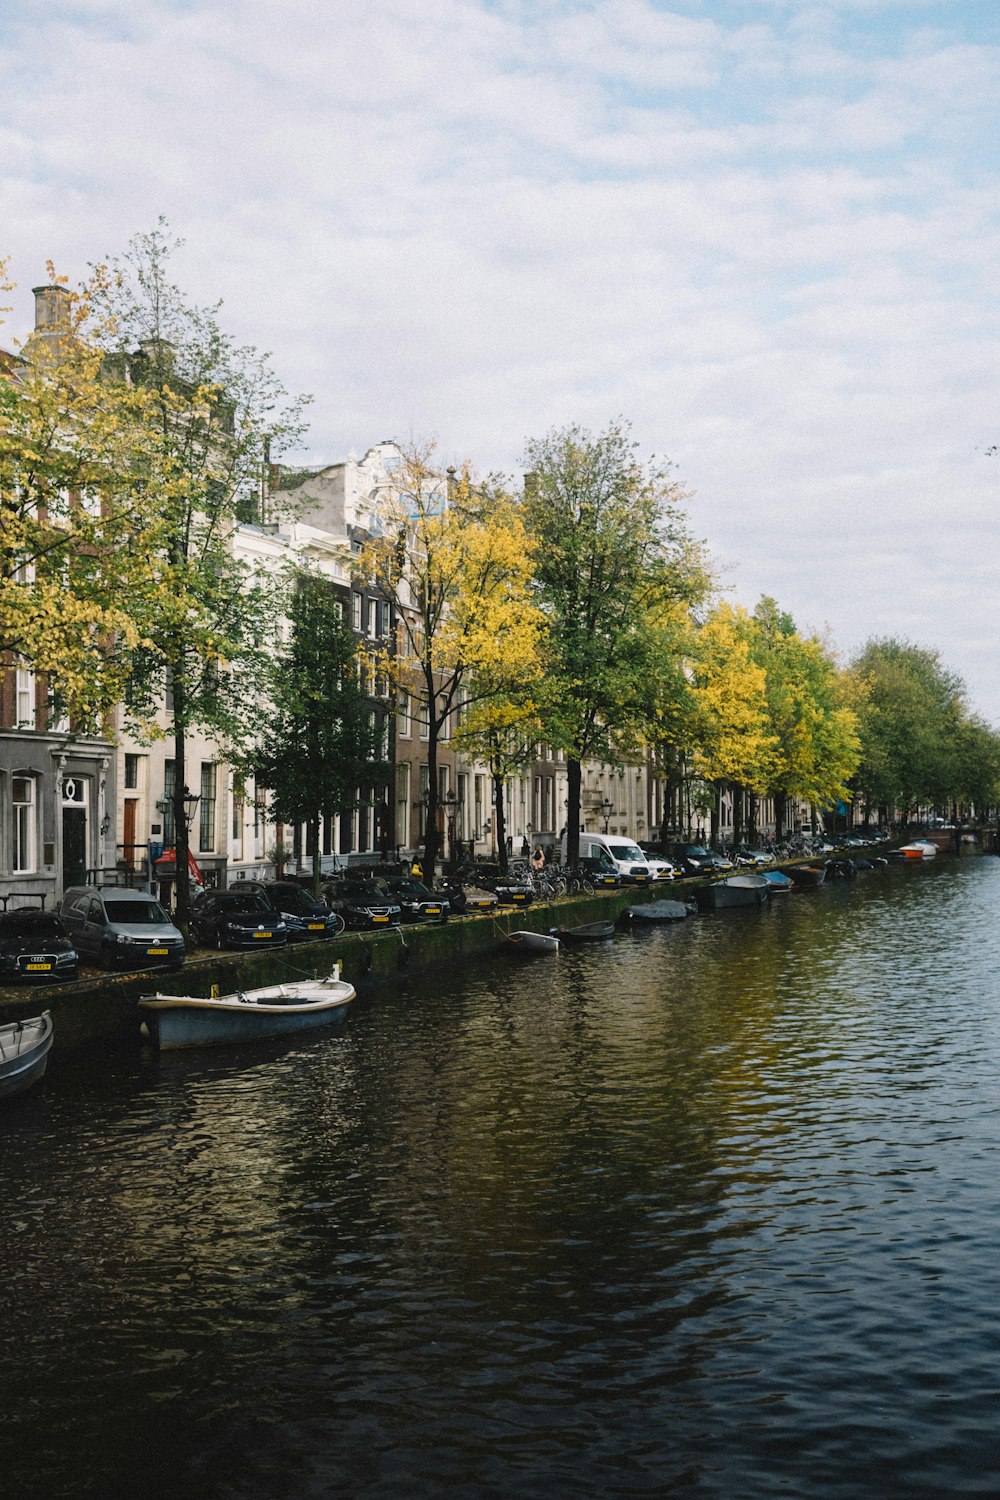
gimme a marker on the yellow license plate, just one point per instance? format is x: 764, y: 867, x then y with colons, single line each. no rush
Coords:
x: 317, y: 926
x: 156, y: 952
x: 380, y: 919
x: 39, y: 966
x: 433, y: 911
x: 263, y: 934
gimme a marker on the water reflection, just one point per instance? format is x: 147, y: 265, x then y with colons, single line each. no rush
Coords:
x: 708, y: 1211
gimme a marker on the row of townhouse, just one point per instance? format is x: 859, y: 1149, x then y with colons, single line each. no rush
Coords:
x: 73, y: 809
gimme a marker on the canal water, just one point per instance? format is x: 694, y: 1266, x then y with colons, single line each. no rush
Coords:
x: 713, y: 1210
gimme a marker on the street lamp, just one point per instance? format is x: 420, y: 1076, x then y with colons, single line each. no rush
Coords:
x: 190, y: 801
x: 606, y: 808
x: 450, y: 803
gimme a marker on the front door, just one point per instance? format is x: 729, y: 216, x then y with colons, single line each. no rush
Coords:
x: 74, y: 846
x: 129, y: 851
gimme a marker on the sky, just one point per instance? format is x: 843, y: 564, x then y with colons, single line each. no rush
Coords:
x: 763, y: 232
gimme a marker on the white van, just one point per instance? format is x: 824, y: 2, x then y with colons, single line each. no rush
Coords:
x: 624, y: 855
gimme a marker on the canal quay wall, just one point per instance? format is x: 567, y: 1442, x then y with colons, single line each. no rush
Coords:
x: 105, y: 1006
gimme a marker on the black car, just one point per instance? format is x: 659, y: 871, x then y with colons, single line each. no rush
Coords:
x: 237, y: 919
x: 302, y: 914
x: 695, y: 859
x: 602, y: 876
x: 363, y: 903
x: 34, y: 945
x: 416, y: 902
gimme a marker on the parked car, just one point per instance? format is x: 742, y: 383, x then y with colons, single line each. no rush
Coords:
x: 363, y: 903
x: 416, y: 902
x: 237, y: 919
x: 602, y: 875
x: 303, y: 915
x: 34, y: 946
x: 623, y: 853
x: 695, y: 859
x: 120, y: 928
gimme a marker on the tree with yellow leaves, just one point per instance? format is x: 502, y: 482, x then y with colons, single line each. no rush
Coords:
x: 733, y: 741
x: 81, y: 465
x: 816, y: 731
x: 453, y: 558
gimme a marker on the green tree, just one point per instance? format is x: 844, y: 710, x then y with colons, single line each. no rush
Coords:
x: 316, y: 740
x: 221, y: 414
x: 616, y: 572
x: 910, y: 706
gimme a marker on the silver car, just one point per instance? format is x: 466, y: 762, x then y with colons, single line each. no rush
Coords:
x: 120, y: 929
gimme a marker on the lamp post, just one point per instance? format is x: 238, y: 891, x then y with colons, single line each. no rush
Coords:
x: 450, y: 803
x: 606, y: 808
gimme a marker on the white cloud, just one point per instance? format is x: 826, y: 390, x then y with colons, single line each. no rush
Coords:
x: 770, y: 241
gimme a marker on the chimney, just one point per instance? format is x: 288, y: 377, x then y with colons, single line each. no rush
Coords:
x: 52, y: 309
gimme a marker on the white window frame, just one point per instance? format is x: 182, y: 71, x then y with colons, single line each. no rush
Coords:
x: 24, y: 845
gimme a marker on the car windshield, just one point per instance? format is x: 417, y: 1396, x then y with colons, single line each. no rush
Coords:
x: 696, y: 851
x: 293, y: 898
x: 130, y: 913
x: 31, y: 924
x: 242, y: 901
x: 627, y: 851
x: 410, y: 888
x: 366, y: 889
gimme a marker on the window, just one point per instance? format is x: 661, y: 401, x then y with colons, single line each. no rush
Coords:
x: 403, y: 715
x: 373, y: 622
x: 131, y: 773
x: 206, y: 809
x: 23, y: 792
x: 24, y: 694
x: 356, y: 611
x: 169, y: 782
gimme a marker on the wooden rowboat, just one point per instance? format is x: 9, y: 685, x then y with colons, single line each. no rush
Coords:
x: 590, y: 932
x: 276, y: 1010
x: 535, y: 942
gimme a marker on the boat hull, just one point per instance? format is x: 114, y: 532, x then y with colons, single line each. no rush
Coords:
x: 657, y: 911
x: 807, y: 875
x: 175, y: 1021
x: 535, y: 942
x: 736, y: 890
x: 590, y: 932
x: 24, y: 1053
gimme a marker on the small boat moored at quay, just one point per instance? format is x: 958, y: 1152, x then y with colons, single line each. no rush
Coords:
x: 590, y: 932
x: 276, y: 1010
x: 778, y: 881
x: 919, y: 849
x: 734, y: 890
x: 535, y: 942
x: 656, y: 911
x: 806, y: 875
x: 24, y: 1053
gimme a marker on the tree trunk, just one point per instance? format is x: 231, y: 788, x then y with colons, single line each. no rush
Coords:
x: 738, y: 796
x: 713, y: 832
x: 182, y: 843
x: 431, y: 840
x: 316, y: 867
x: 501, y: 820
x: 574, y: 777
